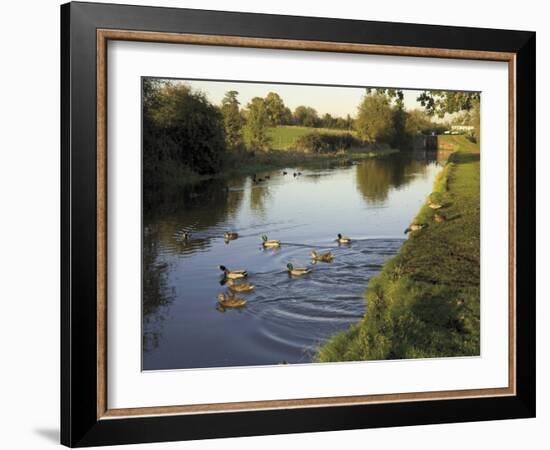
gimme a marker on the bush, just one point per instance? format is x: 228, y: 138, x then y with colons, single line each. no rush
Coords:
x: 325, y: 142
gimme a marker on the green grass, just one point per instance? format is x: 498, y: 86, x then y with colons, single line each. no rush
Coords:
x: 283, y: 137
x: 425, y: 301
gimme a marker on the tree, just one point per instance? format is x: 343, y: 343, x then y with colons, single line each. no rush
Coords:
x: 257, y: 122
x: 306, y: 116
x: 181, y: 127
x: 417, y: 122
x: 374, y: 121
x: 328, y: 121
x: 233, y: 120
x: 275, y: 109
x: 475, y: 118
x: 447, y: 102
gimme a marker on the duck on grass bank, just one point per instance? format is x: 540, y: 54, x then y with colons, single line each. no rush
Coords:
x: 230, y: 301
x: 440, y: 218
x: 343, y: 239
x: 230, y: 236
x: 240, y: 287
x: 233, y: 274
x: 297, y: 271
x: 434, y: 205
x: 415, y: 227
x: 270, y: 243
x: 324, y: 257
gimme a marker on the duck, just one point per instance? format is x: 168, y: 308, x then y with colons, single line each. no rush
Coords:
x: 230, y: 235
x: 415, y: 227
x: 440, y: 218
x: 285, y: 172
x: 268, y: 177
x: 270, y: 243
x: 233, y: 274
x: 343, y: 239
x: 433, y: 205
x: 230, y: 301
x: 240, y: 287
x: 297, y: 271
x: 325, y: 257
x: 185, y: 236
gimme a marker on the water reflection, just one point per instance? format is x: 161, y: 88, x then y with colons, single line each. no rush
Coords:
x: 285, y: 319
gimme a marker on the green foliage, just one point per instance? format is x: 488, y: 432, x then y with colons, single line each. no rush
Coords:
x: 276, y: 109
x: 418, y: 122
x: 325, y: 142
x: 447, y: 102
x: 233, y: 121
x: 425, y: 301
x: 475, y: 119
x: 374, y: 122
x: 306, y: 116
x: 257, y: 123
x: 182, y: 127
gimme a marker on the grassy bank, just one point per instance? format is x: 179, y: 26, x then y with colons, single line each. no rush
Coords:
x: 250, y: 163
x: 425, y: 301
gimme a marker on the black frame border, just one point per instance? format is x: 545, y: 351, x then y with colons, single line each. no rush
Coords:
x: 79, y: 423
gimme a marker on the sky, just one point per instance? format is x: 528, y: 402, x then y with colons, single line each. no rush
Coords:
x: 337, y: 101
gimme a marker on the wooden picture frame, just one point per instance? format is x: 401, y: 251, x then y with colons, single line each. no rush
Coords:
x: 86, y: 418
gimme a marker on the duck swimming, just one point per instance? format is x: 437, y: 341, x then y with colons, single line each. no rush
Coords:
x: 230, y: 301
x: 297, y: 271
x: 233, y: 274
x: 324, y: 257
x: 270, y: 243
x: 343, y: 239
x: 240, y: 287
x: 230, y: 235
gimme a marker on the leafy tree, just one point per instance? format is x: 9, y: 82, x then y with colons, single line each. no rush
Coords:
x: 233, y: 120
x: 276, y: 109
x: 306, y: 116
x: 447, y: 102
x: 417, y: 122
x: 328, y: 121
x: 182, y: 127
x: 475, y: 118
x: 257, y: 122
x: 375, y: 118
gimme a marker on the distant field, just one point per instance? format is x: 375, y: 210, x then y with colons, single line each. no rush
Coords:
x: 284, y: 136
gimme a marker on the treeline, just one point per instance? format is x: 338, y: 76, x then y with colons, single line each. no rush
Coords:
x: 183, y: 131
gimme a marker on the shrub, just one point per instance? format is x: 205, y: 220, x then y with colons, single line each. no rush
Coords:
x: 325, y: 142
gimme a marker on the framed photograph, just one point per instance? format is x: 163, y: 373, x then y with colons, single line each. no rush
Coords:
x: 276, y: 224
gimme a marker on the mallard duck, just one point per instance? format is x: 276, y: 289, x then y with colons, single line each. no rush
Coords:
x: 325, y: 257
x: 440, y: 218
x: 233, y: 274
x: 435, y: 205
x: 297, y: 271
x: 230, y: 301
x: 343, y: 239
x: 240, y: 287
x: 230, y: 235
x: 415, y: 227
x: 270, y: 243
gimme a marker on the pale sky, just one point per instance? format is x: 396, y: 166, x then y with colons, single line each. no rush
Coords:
x: 337, y: 101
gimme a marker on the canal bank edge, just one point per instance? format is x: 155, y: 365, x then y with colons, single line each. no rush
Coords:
x: 425, y: 301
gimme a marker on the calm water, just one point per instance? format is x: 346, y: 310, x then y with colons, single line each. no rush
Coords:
x: 286, y: 319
